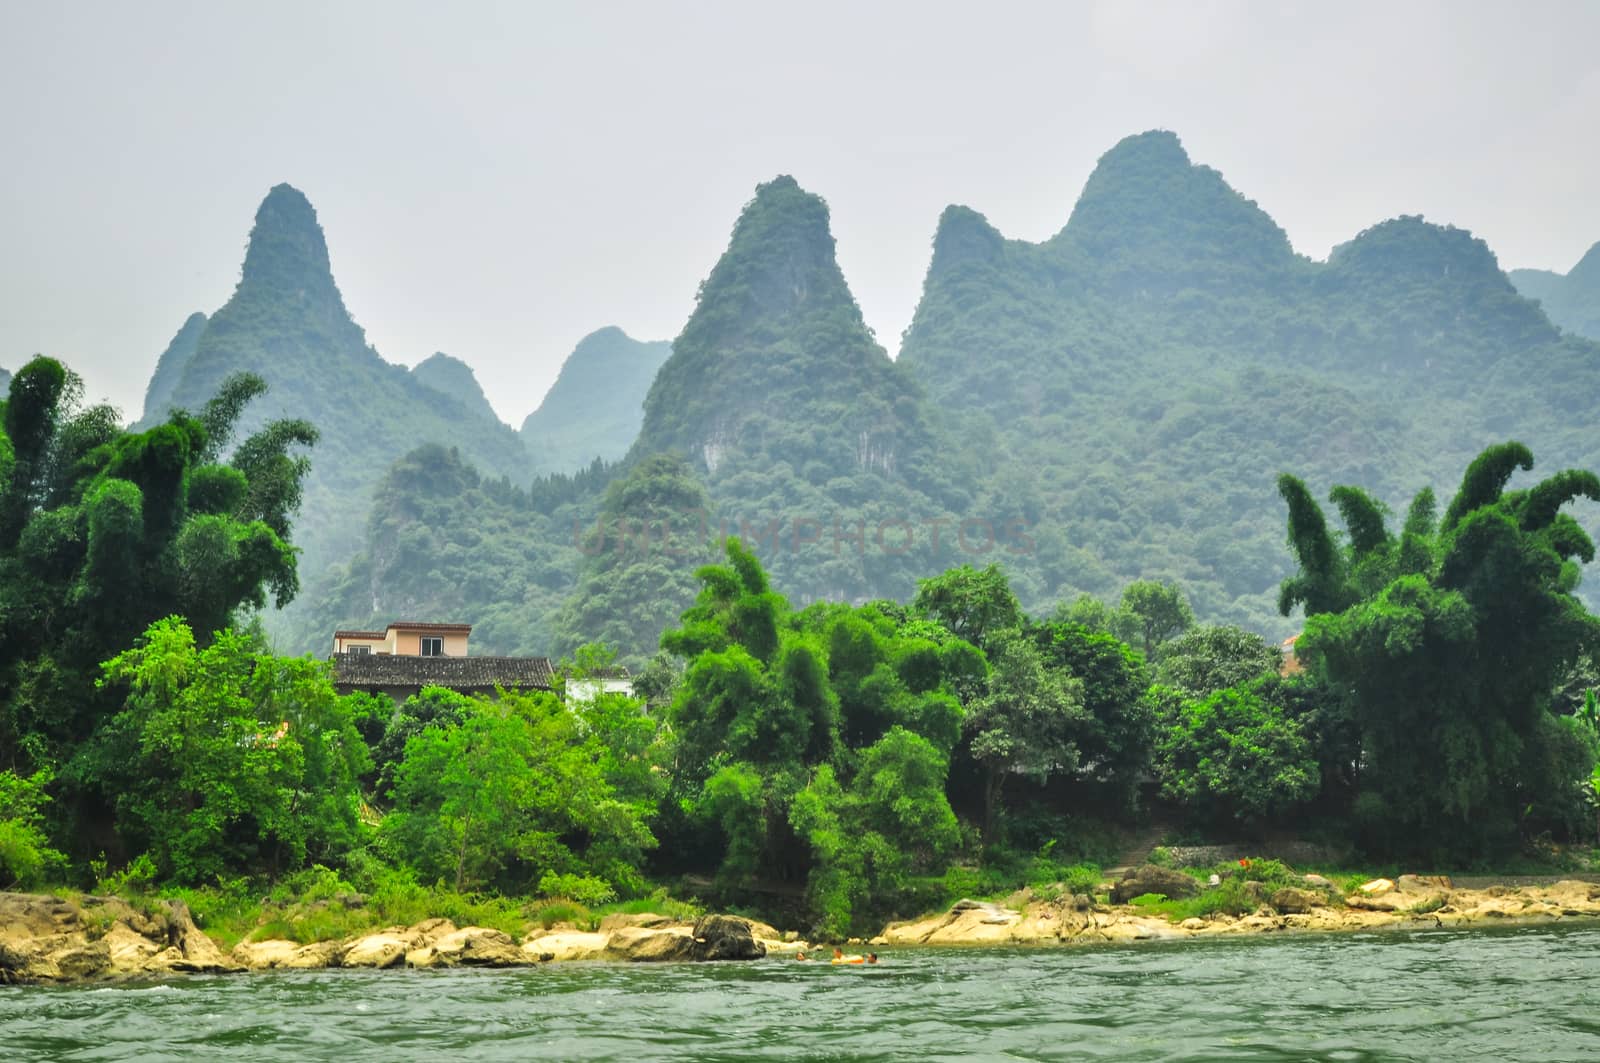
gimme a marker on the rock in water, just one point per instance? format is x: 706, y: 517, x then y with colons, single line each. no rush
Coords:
x: 638, y: 944
x: 1149, y: 878
x: 725, y: 937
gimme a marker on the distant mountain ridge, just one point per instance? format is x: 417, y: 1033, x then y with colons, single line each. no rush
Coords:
x: 1165, y: 355
x: 596, y: 405
x: 170, y: 368
x: 1572, y: 299
x: 454, y: 379
x: 1127, y: 391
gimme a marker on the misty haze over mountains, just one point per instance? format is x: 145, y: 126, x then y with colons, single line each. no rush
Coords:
x: 1121, y: 396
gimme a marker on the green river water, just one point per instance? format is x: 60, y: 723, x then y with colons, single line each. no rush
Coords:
x: 1518, y: 994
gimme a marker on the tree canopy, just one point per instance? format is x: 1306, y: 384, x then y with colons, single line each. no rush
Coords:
x: 103, y: 531
x: 1450, y: 636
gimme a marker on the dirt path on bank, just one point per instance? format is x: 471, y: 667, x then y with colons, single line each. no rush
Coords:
x: 1137, y: 851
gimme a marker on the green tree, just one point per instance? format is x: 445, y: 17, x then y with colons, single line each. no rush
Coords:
x: 1029, y: 721
x: 1234, y: 754
x: 511, y: 794
x: 813, y: 747
x: 1159, y: 611
x: 1213, y: 657
x: 226, y: 760
x: 26, y: 859
x: 974, y: 604
x: 892, y: 821
x: 751, y: 692
x: 428, y: 707
x: 1115, y: 742
x: 1450, y: 638
x: 104, y: 531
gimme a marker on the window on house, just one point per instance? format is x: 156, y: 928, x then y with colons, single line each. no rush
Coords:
x: 361, y: 650
x: 433, y: 647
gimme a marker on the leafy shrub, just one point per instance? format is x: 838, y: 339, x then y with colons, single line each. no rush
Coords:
x: 586, y: 890
x: 1160, y: 856
x: 1236, y: 754
x: 136, y: 878
x: 229, y: 912
x: 566, y: 912
x: 657, y: 903
x: 962, y: 882
x: 1272, y: 874
x: 984, y: 881
x: 1037, y: 828
x: 315, y: 883
x: 26, y: 858
x: 1082, y: 879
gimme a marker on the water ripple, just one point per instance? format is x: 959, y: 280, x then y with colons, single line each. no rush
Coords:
x: 1519, y: 994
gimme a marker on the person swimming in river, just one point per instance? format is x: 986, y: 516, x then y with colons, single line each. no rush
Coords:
x: 840, y: 958
x: 800, y: 955
x: 872, y: 957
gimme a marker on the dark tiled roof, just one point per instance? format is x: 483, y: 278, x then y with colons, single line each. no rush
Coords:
x: 360, y: 634
x: 378, y: 670
x: 417, y: 625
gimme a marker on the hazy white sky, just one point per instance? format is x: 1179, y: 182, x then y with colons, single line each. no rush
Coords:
x: 497, y: 180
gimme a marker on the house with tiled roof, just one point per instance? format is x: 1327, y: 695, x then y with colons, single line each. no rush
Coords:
x: 406, y: 638
x: 409, y: 655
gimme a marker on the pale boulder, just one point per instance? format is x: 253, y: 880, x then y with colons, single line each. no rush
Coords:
x: 645, y: 945
x: 566, y: 945
x: 471, y: 946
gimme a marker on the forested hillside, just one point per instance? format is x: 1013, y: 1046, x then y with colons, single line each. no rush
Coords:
x: 595, y: 407
x: 813, y: 444
x: 443, y: 543
x: 1158, y: 360
x: 287, y: 323
x: 1573, y: 299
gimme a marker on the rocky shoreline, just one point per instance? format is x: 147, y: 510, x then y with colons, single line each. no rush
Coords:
x: 1316, y: 905
x: 48, y: 939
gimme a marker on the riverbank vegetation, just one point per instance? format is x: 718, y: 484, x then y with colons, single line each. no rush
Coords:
x: 826, y: 766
